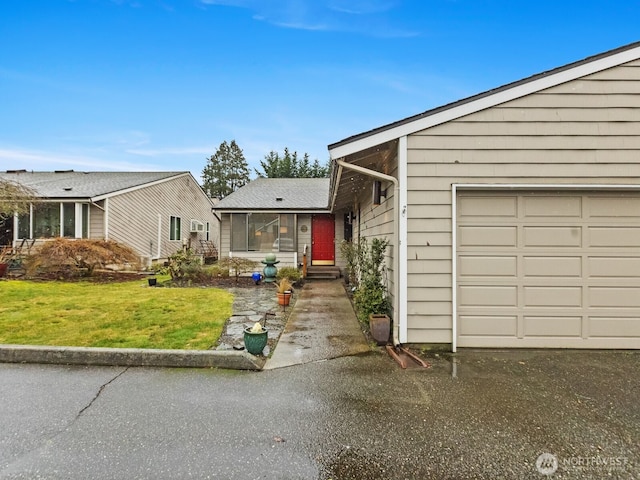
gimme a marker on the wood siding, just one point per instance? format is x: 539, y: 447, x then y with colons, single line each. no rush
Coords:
x: 134, y: 217
x: 582, y: 132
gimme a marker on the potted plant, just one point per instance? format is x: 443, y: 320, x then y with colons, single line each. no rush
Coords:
x: 371, y: 298
x: 284, y: 290
x: 255, y: 338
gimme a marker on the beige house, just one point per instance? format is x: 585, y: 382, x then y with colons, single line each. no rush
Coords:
x: 155, y: 213
x: 288, y: 217
x: 514, y: 214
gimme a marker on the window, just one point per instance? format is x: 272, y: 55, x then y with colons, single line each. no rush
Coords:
x: 69, y: 220
x: 46, y: 220
x: 175, y: 230
x: 263, y: 232
x: 49, y: 220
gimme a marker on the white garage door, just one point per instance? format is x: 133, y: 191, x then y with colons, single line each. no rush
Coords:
x: 542, y: 269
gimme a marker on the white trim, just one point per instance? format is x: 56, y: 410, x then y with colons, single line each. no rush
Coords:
x: 402, y: 242
x: 159, y: 237
x: 106, y: 219
x: 502, y: 186
x: 454, y: 267
x: 488, y: 101
x: 78, y: 220
x: 282, y: 211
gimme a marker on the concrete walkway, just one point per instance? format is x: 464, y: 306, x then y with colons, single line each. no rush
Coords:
x: 322, y: 325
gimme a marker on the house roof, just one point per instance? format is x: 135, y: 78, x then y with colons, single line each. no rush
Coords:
x: 279, y: 194
x: 91, y: 185
x: 481, y: 101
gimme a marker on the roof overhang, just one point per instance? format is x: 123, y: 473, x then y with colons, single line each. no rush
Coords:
x: 491, y: 98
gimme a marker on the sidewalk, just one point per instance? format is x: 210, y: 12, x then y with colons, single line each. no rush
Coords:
x: 322, y: 325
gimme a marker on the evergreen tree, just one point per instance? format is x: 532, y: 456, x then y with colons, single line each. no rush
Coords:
x: 226, y: 171
x: 290, y: 166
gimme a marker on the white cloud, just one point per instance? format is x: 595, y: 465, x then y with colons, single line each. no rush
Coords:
x: 365, y: 17
x: 17, y: 159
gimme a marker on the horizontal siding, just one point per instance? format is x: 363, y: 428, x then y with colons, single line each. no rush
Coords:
x: 581, y: 132
x: 96, y: 222
x: 134, y: 216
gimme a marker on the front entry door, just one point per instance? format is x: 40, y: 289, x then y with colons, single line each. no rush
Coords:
x: 323, y: 234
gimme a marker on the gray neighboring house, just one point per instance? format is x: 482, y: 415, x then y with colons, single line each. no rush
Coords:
x: 155, y: 213
x: 285, y: 216
x: 514, y: 214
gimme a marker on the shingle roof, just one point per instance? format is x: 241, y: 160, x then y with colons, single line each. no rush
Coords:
x: 294, y: 194
x: 70, y: 184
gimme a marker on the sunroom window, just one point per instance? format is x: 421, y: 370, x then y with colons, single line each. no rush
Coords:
x: 263, y: 232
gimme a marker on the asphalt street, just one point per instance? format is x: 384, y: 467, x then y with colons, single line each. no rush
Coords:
x: 479, y: 415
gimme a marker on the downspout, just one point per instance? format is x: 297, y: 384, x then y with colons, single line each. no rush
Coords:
x: 396, y: 254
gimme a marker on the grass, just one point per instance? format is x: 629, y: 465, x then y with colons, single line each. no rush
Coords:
x: 120, y: 315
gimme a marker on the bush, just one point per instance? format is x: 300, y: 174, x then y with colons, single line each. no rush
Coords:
x: 238, y: 265
x: 290, y: 273
x: 184, y: 266
x: 66, y: 257
x: 371, y: 294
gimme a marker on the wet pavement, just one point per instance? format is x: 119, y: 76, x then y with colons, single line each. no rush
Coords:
x: 250, y: 305
x: 322, y: 326
x: 473, y: 415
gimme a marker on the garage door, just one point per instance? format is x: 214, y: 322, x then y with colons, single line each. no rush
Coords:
x: 542, y: 269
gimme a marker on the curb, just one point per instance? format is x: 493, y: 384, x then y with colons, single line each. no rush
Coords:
x: 130, y: 357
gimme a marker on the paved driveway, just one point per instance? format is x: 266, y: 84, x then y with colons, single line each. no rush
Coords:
x: 488, y: 415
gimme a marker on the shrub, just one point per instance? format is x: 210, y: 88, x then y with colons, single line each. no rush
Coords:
x: 66, y: 257
x: 371, y: 294
x: 290, y: 273
x: 185, y: 265
x: 238, y: 265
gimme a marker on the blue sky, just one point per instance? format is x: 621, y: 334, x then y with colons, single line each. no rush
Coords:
x: 159, y: 84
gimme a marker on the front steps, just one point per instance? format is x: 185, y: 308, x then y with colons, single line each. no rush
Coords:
x: 322, y: 272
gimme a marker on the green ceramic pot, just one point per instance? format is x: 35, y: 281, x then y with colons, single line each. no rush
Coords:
x: 255, y: 342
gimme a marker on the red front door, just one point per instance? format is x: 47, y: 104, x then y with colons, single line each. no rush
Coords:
x: 323, y: 233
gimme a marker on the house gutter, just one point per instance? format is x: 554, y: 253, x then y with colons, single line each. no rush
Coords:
x: 396, y: 209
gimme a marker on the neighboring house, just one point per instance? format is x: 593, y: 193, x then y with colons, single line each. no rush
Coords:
x: 155, y: 213
x: 285, y: 216
x: 514, y: 214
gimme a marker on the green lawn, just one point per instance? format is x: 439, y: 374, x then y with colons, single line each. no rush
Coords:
x: 122, y: 315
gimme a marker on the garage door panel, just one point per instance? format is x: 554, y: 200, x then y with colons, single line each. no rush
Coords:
x: 483, y: 236
x: 614, y: 267
x: 552, y: 326
x: 552, y: 296
x: 552, y: 267
x: 488, y: 325
x: 612, y: 237
x: 474, y: 206
x: 614, y: 327
x: 614, y: 297
x: 550, y: 207
x: 614, y: 207
x: 550, y: 270
x: 568, y: 236
x: 483, y: 295
x: 488, y: 265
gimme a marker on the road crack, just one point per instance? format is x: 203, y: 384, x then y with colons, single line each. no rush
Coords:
x: 100, y: 390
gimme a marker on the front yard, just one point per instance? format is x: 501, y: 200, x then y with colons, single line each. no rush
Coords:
x: 120, y: 315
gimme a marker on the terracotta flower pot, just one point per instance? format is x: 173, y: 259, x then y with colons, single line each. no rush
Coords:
x: 284, y: 298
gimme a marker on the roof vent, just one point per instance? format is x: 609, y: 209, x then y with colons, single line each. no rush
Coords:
x: 63, y: 171
x: 68, y: 189
x: 278, y: 199
x: 17, y: 171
